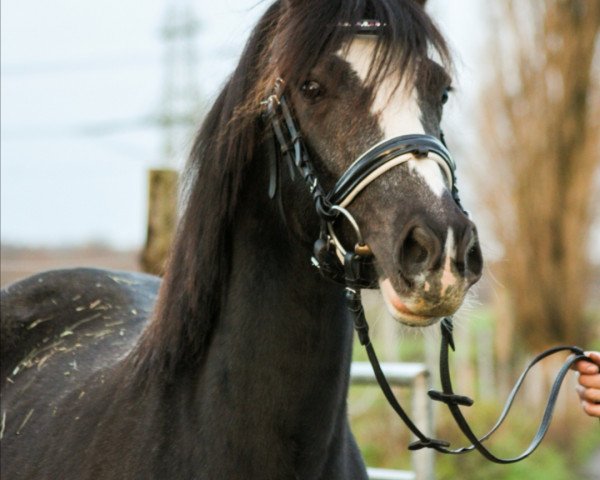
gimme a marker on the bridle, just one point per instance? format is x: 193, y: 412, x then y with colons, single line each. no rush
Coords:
x: 354, y: 268
x: 329, y: 252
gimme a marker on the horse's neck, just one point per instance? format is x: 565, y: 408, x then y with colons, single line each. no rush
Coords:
x: 277, y: 367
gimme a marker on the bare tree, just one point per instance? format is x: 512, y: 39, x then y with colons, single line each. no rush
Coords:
x: 541, y: 126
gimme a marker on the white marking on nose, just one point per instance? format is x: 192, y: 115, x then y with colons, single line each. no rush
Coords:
x: 448, y: 278
x: 450, y: 247
x: 430, y: 171
x: 397, y: 109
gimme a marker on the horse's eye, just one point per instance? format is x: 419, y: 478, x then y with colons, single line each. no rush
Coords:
x: 312, y: 90
x: 445, y: 95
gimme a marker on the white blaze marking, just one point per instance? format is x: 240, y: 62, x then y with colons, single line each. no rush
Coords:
x: 448, y: 277
x: 397, y: 109
x: 430, y: 171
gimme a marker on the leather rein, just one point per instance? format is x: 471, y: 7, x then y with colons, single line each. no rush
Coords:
x: 354, y: 268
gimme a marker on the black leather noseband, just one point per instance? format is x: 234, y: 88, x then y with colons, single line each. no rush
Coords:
x: 385, y: 156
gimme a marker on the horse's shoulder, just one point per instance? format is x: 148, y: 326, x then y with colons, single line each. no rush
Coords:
x: 60, y: 303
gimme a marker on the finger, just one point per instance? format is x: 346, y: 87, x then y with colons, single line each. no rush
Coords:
x: 591, y: 395
x: 589, y: 381
x: 585, y: 367
x: 579, y: 389
x: 592, y: 409
x: 595, y: 356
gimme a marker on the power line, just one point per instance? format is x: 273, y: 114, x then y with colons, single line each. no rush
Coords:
x: 82, y: 65
x: 97, y: 129
x: 180, y: 95
x: 221, y: 53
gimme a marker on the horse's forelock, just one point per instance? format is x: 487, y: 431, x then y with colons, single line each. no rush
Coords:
x: 310, y: 29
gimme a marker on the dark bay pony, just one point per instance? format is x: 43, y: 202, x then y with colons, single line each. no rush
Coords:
x: 236, y: 365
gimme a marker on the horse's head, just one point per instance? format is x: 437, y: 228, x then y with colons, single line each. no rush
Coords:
x: 354, y: 88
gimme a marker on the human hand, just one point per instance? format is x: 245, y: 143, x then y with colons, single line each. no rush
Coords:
x: 588, y: 383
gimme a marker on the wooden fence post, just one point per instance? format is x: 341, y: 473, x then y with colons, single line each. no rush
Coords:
x: 162, y: 218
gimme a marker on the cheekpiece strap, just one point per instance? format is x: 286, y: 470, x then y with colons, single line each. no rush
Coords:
x: 291, y: 146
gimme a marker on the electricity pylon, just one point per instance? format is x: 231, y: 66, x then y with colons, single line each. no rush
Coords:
x: 178, y: 116
x: 180, y: 96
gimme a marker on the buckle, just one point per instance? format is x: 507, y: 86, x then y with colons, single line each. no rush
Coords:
x: 428, y: 443
x: 450, y: 398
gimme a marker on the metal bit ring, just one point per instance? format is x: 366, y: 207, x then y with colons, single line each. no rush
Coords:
x: 360, y: 243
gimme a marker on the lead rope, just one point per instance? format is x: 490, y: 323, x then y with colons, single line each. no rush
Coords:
x: 453, y: 401
x: 447, y: 395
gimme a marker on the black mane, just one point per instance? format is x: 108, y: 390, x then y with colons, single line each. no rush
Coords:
x: 226, y: 145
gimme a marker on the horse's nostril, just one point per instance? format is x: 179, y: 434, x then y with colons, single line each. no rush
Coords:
x: 475, y: 260
x: 416, y: 251
x: 422, y: 251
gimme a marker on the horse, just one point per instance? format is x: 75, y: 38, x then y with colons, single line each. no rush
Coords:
x: 236, y: 364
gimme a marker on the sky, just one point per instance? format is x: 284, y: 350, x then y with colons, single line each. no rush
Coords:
x: 78, y: 81
x: 81, y: 82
